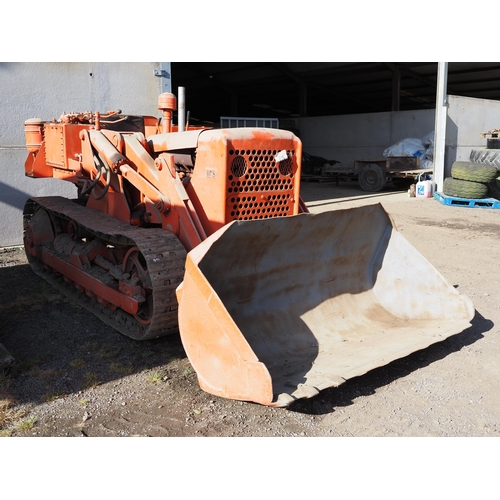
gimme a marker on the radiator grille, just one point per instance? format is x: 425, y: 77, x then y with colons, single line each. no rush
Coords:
x: 259, y: 186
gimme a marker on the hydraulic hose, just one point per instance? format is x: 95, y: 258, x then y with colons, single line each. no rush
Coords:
x: 93, y: 183
x: 100, y: 167
x: 106, y: 168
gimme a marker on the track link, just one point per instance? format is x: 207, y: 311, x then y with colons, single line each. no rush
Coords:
x: 163, y: 253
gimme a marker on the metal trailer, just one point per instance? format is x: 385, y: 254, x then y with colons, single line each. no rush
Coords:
x: 374, y: 174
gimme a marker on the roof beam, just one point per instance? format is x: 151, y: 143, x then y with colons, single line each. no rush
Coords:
x: 232, y: 92
x: 396, y: 90
x: 301, y: 81
x: 302, y: 86
x: 281, y: 67
x: 413, y: 74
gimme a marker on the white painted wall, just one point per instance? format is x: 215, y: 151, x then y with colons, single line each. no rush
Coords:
x: 46, y: 90
x: 467, y: 118
x: 347, y: 138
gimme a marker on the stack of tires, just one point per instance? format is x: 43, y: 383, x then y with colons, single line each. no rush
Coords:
x: 490, y: 156
x: 470, y: 180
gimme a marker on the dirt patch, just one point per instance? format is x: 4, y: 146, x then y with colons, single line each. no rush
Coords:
x: 78, y: 377
x: 470, y: 224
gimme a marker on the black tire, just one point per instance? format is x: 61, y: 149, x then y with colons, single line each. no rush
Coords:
x: 372, y: 178
x: 494, y: 188
x: 493, y: 191
x: 493, y: 143
x: 486, y: 156
x: 476, y: 172
x: 464, y: 189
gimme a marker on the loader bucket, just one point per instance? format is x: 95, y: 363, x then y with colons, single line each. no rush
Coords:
x: 275, y: 310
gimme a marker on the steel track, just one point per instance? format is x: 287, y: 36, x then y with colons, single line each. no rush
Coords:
x: 165, y: 259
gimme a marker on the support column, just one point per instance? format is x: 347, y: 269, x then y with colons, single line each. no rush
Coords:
x: 234, y: 103
x: 396, y: 89
x: 440, y: 126
x: 165, y: 74
x: 302, y: 99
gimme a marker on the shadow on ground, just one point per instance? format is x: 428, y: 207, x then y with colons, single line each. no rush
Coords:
x: 60, y: 348
x: 369, y: 383
x: 312, y: 192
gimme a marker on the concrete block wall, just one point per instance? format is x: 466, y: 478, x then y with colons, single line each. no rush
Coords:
x: 347, y: 138
x: 46, y: 90
x: 467, y: 118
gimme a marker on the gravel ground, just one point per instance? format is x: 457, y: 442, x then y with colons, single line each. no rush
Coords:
x: 77, y: 377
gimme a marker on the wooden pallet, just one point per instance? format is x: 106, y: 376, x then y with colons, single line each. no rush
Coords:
x: 466, y: 202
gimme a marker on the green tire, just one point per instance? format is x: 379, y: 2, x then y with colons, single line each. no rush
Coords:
x: 464, y: 189
x: 475, y: 172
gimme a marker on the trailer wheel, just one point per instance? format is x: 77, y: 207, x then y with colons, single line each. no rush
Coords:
x: 372, y: 178
x: 476, y: 172
x: 464, y: 189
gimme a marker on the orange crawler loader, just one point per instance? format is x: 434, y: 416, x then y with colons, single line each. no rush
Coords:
x: 203, y: 232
